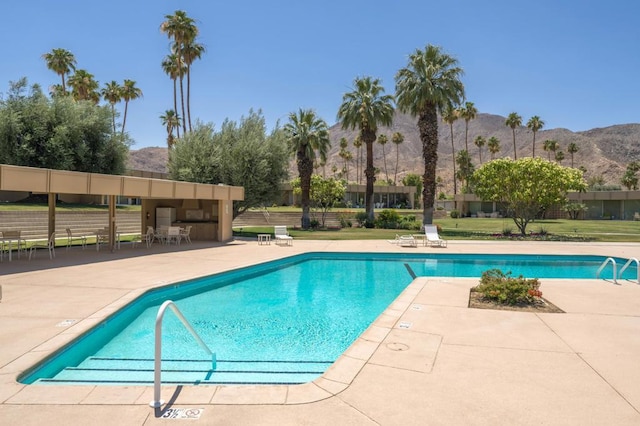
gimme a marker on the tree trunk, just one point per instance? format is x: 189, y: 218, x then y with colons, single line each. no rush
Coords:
x: 428, y: 127
x: 184, y: 121
x: 175, y: 104
x: 368, y: 137
x: 305, y: 170
x: 453, y: 156
x: 189, y: 95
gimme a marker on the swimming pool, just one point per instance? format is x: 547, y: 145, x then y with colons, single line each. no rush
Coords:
x: 279, y: 322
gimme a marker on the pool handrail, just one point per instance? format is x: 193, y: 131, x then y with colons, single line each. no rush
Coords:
x: 626, y: 265
x: 615, y: 267
x: 157, y: 370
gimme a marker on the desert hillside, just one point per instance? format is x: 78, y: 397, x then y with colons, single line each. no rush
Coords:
x: 602, y: 151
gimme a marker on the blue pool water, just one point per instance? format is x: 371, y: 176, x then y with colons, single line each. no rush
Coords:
x: 279, y: 322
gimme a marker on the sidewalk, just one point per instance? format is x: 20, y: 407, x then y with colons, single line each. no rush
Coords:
x: 428, y: 359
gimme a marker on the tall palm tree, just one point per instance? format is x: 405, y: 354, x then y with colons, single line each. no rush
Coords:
x: 345, y: 155
x: 182, y: 30
x: 493, y: 145
x: 572, y: 149
x: 468, y: 112
x: 480, y: 142
x: 190, y: 50
x: 129, y: 93
x: 430, y: 83
x: 550, y: 146
x: 449, y: 116
x: 535, y: 124
x: 513, y: 121
x: 559, y: 156
x: 84, y: 87
x: 171, y: 121
x: 397, y: 138
x: 112, y: 93
x: 382, y: 140
x: 364, y: 108
x: 306, y: 134
x: 357, y: 143
x: 62, y: 62
x: 172, y: 66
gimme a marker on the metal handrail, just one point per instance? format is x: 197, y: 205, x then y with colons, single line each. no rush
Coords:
x: 626, y: 265
x: 615, y: 267
x: 157, y: 370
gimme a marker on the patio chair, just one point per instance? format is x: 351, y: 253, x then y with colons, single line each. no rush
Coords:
x: 71, y: 238
x: 282, y: 236
x: 173, y: 235
x: 406, y: 241
x: 50, y: 244
x: 184, y: 233
x: 433, y: 239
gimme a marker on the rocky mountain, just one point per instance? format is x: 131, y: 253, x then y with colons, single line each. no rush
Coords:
x: 603, y: 151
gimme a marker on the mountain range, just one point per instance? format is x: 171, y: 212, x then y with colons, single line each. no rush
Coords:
x: 603, y: 152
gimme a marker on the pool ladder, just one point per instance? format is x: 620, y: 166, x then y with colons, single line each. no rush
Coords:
x: 157, y: 370
x: 615, y: 267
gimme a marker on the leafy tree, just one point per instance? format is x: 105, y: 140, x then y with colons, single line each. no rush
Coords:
x: 382, y: 140
x: 171, y: 121
x: 465, y: 170
x: 550, y: 146
x: 493, y: 145
x: 427, y: 85
x: 58, y: 133
x: 449, y: 116
x: 630, y: 177
x: 62, y: 62
x: 240, y: 154
x: 572, y: 149
x: 397, y: 138
x: 128, y: 93
x: 364, y: 108
x: 306, y: 134
x: 112, y: 93
x: 527, y: 186
x: 514, y: 121
x: 480, y: 141
x: 468, y: 112
x: 412, y: 179
x: 324, y: 193
x: 574, y: 209
x: 535, y: 123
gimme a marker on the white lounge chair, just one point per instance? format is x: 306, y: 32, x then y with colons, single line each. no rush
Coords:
x: 433, y: 239
x: 406, y: 241
x: 49, y: 244
x: 282, y: 236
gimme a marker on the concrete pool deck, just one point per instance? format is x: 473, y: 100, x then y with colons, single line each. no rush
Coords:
x: 428, y: 359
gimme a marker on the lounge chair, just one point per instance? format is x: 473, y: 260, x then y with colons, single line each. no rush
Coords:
x: 406, y: 241
x: 49, y: 244
x: 433, y: 239
x: 282, y: 236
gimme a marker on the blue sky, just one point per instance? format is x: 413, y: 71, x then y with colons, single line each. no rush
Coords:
x: 574, y: 63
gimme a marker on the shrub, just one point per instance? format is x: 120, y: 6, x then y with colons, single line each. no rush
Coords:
x: 363, y: 220
x: 454, y: 214
x: 388, y: 219
x: 504, y: 289
x: 345, y: 222
x: 314, y: 224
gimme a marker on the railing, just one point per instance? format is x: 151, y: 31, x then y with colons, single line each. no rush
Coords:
x: 265, y: 213
x: 615, y: 267
x: 629, y: 262
x: 157, y: 370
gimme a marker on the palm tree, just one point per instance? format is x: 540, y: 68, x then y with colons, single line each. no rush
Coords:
x: 84, y: 87
x: 513, y: 121
x: 397, y: 138
x: 357, y: 143
x: 382, y: 140
x: 172, y: 121
x: 62, y: 62
x: 572, y: 149
x: 559, y: 157
x: 493, y: 145
x: 182, y: 30
x: 468, y: 112
x: 174, y: 68
x: 366, y: 107
x: 190, y: 50
x: 344, y: 153
x: 112, y: 93
x: 480, y: 142
x: 550, y: 146
x: 535, y: 124
x: 449, y: 116
x: 429, y: 84
x: 306, y: 134
x: 129, y: 93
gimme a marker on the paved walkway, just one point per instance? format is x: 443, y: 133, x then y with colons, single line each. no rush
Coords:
x: 452, y: 365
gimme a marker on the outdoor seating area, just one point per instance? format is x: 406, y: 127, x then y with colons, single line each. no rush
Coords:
x: 50, y: 245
